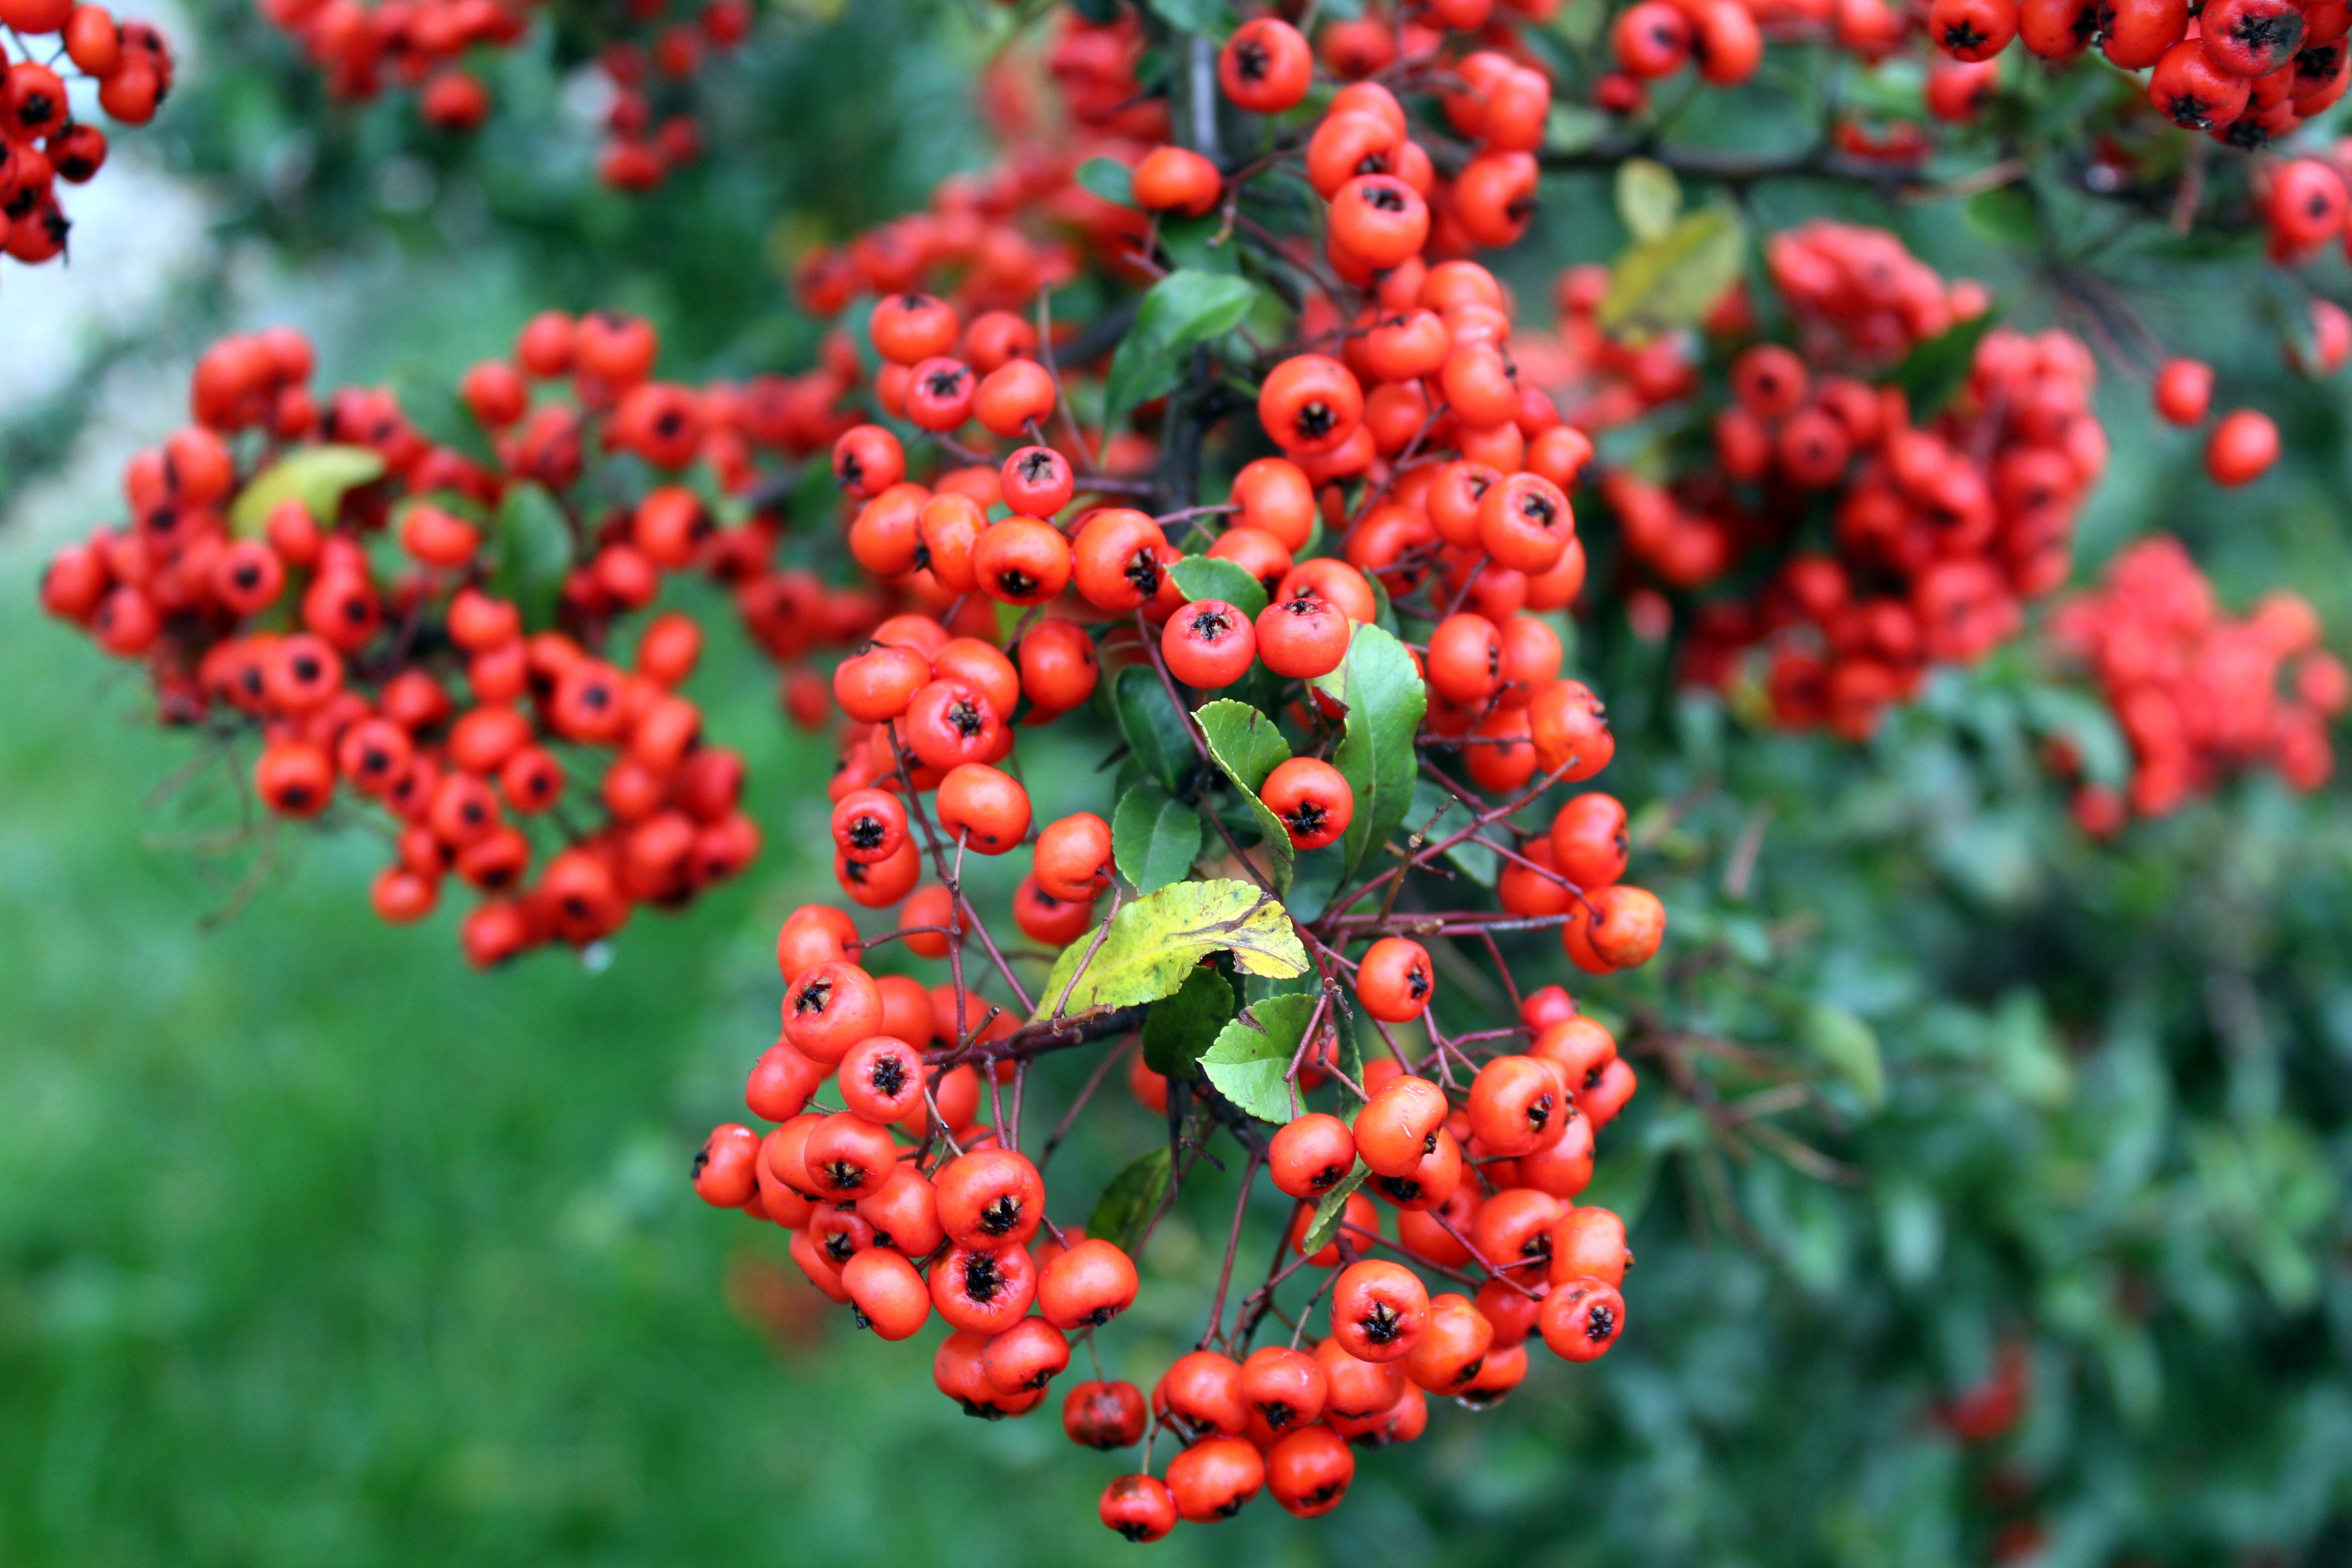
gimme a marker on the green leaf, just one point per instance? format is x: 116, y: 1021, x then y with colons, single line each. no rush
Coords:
x: 1154, y: 837
x: 1329, y: 1212
x: 1648, y: 198
x: 1208, y: 17
x: 1110, y: 179
x: 1939, y: 367
x: 1184, y: 309
x: 1847, y: 1047
x: 1659, y: 285
x: 2006, y: 216
x: 1437, y: 816
x: 1179, y: 1028
x: 1153, y: 725
x: 1254, y: 1051
x: 434, y: 411
x: 1202, y: 243
x: 1125, y: 1209
x: 317, y: 477
x: 1385, y: 701
x: 1247, y: 746
x: 1154, y: 943
x: 533, y: 553
x: 1571, y: 127
x: 1201, y: 577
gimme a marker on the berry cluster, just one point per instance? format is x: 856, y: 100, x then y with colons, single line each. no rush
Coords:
x: 425, y: 633
x: 1342, y: 672
x: 650, y: 56
x: 41, y: 140
x: 2199, y: 695
x: 2246, y: 72
x: 1891, y: 542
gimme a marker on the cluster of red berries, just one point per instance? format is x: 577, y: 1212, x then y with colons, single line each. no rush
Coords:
x: 2198, y: 694
x: 41, y: 140
x: 2246, y: 72
x: 1434, y: 481
x: 902, y: 1203
x: 431, y: 634
x: 650, y: 58
x: 1938, y: 528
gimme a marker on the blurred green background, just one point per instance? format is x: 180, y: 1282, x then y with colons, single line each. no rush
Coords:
x: 315, y: 1246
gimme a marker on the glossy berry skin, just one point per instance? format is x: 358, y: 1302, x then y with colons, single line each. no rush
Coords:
x: 1284, y: 1388
x: 1309, y: 1471
x: 1208, y: 644
x: 1139, y: 1508
x: 1302, y: 636
x: 990, y: 1197
x: 869, y: 824
x: 1266, y: 67
x: 725, y: 1171
x: 1394, y: 980
x: 1516, y: 1106
x: 1379, y: 1310
x: 1582, y: 1319
x: 1073, y: 856
x: 1087, y: 1285
x: 1215, y: 1479
x: 986, y: 1291
x: 829, y: 1008
x: 887, y: 1292
x: 1104, y: 1415
x: 1399, y: 1125
x: 986, y: 808
x: 2241, y: 448
x: 1311, y: 1155
x: 1177, y: 179
x: 1314, y: 803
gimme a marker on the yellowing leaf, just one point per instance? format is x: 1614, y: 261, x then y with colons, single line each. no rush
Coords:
x: 1674, y: 280
x: 317, y: 477
x: 1154, y: 943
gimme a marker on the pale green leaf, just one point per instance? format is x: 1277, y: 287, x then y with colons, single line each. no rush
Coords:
x: 1253, y: 1053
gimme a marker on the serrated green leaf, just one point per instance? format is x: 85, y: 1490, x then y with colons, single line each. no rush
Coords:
x: 1203, y: 577
x: 1330, y: 1211
x: 1179, y: 1029
x: 1253, y: 1053
x: 1658, y: 286
x: 533, y: 553
x: 1648, y: 198
x: 1110, y: 179
x: 1939, y: 367
x: 1185, y: 308
x: 1385, y: 700
x: 1246, y: 746
x: 1154, y: 943
x: 1154, y: 837
x: 1127, y: 1203
x: 317, y: 477
x: 1847, y: 1047
x: 1153, y: 725
x: 434, y: 411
